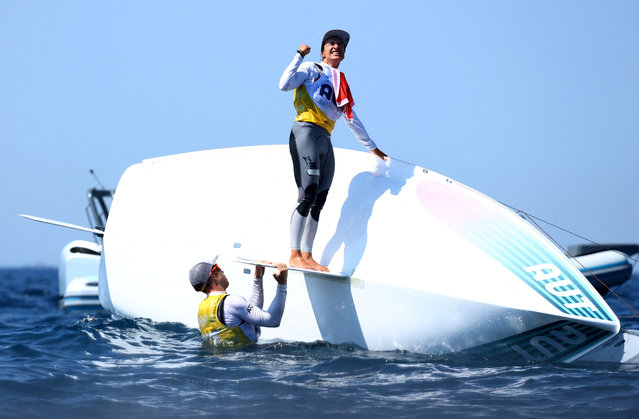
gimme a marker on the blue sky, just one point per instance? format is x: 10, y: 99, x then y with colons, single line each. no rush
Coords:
x: 535, y: 104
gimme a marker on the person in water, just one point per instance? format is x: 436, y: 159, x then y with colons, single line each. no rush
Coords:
x: 230, y: 320
x: 321, y: 96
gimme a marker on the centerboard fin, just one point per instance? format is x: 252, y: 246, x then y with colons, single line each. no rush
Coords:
x: 305, y: 271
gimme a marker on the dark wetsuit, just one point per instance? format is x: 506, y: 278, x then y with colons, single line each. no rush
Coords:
x: 313, y: 166
x: 310, y: 143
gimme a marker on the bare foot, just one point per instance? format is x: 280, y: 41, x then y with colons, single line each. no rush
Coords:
x: 308, y: 258
x: 297, y: 261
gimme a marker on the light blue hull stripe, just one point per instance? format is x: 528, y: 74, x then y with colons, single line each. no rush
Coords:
x: 516, y: 249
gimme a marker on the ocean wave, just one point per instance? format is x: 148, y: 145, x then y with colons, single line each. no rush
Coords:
x: 92, y: 365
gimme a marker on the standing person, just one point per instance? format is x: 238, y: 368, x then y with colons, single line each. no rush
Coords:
x: 230, y: 320
x: 321, y: 96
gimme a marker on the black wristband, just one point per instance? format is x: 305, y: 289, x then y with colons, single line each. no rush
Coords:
x: 300, y: 53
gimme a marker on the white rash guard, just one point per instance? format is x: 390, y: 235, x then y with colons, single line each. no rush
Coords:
x: 307, y: 73
x: 249, y: 314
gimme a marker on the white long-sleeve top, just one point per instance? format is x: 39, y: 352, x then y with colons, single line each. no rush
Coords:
x: 249, y: 314
x: 315, y: 98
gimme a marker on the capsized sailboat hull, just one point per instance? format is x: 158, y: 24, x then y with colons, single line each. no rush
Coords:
x: 432, y: 266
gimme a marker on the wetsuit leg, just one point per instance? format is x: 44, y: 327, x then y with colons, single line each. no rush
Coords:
x: 310, y: 147
x: 326, y: 179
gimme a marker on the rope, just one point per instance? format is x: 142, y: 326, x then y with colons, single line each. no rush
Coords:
x: 575, y: 259
x: 532, y: 219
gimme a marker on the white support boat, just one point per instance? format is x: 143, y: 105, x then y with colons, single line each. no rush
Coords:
x: 396, y: 233
x: 80, y: 259
x: 78, y: 276
x: 604, y: 266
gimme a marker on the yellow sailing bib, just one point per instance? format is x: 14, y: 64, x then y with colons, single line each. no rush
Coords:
x: 213, y: 329
x: 308, y: 111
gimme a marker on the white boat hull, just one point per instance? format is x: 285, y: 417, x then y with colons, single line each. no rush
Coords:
x: 433, y: 266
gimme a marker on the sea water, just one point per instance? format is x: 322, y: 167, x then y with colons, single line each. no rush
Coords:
x: 88, y: 365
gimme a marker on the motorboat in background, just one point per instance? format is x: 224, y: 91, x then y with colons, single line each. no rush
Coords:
x: 80, y: 259
x: 604, y: 265
x: 78, y: 276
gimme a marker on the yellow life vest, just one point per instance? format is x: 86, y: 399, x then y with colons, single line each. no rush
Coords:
x: 213, y: 329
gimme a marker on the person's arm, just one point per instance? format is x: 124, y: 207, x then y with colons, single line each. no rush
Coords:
x: 358, y: 130
x: 238, y: 310
x: 257, y: 294
x: 297, y: 72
